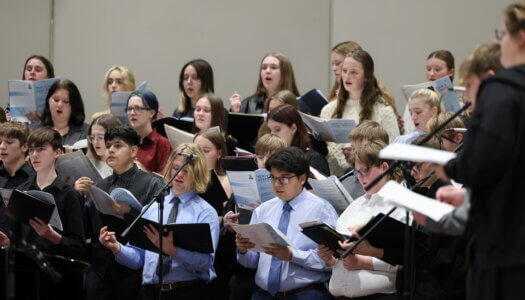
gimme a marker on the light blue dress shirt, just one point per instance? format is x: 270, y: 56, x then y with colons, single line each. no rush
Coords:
x: 408, y: 138
x: 306, y: 267
x: 185, y: 265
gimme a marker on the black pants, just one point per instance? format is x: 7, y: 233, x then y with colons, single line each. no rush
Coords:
x: 195, y: 291
x: 125, y: 288
x: 501, y: 284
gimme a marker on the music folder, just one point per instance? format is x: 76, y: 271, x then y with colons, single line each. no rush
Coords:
x: 390, y: 233
x: 185, y: 125
x: 245, y: 127
x: 23, y: 207
x: 324, y: 234
x: 192, y: 237
x: 312, y: 102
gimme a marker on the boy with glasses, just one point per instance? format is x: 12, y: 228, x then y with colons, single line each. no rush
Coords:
x: 293, y: 272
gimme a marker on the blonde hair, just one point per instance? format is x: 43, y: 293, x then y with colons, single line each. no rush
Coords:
x: 198, y: 174
x: 128, y: 80
x: 269, y: 144
x: 439, y: 119
x: 428, y: 97
x: 369, y: 130
x: 368, y: 155
x: 482, y: 58
x: 514, y: 18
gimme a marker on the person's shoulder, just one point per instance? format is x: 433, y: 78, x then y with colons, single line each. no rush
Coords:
x: 328, y: 109
x: 205, y: 207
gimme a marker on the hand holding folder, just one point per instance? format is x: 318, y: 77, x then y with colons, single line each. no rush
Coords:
x: 192, y: 237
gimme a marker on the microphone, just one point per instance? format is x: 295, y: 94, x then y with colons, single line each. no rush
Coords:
x: 189, y: 157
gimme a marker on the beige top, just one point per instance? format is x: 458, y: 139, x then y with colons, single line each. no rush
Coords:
x: 382, y: 113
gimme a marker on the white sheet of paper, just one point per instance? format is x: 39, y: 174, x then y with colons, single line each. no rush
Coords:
x: 332, y: 191
x: 332, y: 130
x: 416, y: 153
x: 403, y: 197
x: 177, y: 136
x: 262, y: 235
x: 102, y: 201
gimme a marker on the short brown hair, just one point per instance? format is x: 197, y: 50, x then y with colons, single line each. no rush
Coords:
x: 269, y: 144
x: 368, y: 155
x: 369, y: 130
x: 482, y: 58
x: 45, y: 136
x: 15, y: 130
x: 198, y: 174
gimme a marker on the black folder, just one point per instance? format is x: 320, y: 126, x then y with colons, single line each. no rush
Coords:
x: 312, y: 103
x: 390, y: 233
x: 245, y: 128
x: 215, y: 194
x: 192, y: 237
x: 185, y: 125
x: 23, y: 207
x: 324, y: 234
x: 240, y: 163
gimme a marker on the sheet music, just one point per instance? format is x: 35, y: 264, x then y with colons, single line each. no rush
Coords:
x: 103, y: 202
x: 403, y: 197
x: 262, y: 235
x: 416, y: 153
x: 177, y: 136
x: 329, y: 190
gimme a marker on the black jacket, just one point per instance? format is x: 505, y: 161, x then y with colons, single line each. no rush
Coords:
x: 492, y: 164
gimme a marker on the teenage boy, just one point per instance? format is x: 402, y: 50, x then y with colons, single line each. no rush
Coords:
x: 45, y: 145
x: 289, y: 272
x: 366, y: 131
x: 108, y: 279
x: 14, y: 169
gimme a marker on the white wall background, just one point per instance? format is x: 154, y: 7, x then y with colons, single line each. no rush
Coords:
x: 155, y: 38
x: 24, y: 31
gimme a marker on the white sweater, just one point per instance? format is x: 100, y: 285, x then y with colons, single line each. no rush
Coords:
x: 382, y: 113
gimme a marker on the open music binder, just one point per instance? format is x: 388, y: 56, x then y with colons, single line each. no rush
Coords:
x: 192, y: 237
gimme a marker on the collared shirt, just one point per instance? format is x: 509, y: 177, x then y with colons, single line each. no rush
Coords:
x: 143, y: 186
x: 185, y: 265
x: 409, y: 138
x: 69, y: 206
x: 358, y: 283
x: 154, y: 152
x: 305, y: 267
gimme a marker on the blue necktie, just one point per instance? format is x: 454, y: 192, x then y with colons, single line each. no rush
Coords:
x: 274, y: 276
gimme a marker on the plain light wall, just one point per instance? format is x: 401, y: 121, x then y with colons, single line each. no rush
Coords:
x: 24, y: 31
x: 155, y: 39
x: 399, y: 35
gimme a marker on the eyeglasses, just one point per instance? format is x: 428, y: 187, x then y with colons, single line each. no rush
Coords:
x: 363, y: 172
x: 96, y: 138
x: 500, y: 33
x: 137, y: 109
x: 282, y: 180
x: 444, y: 137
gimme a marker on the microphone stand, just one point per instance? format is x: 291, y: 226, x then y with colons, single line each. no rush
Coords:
x: 34, y: 254
x: 391, y: 168
x: 157, y: 198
